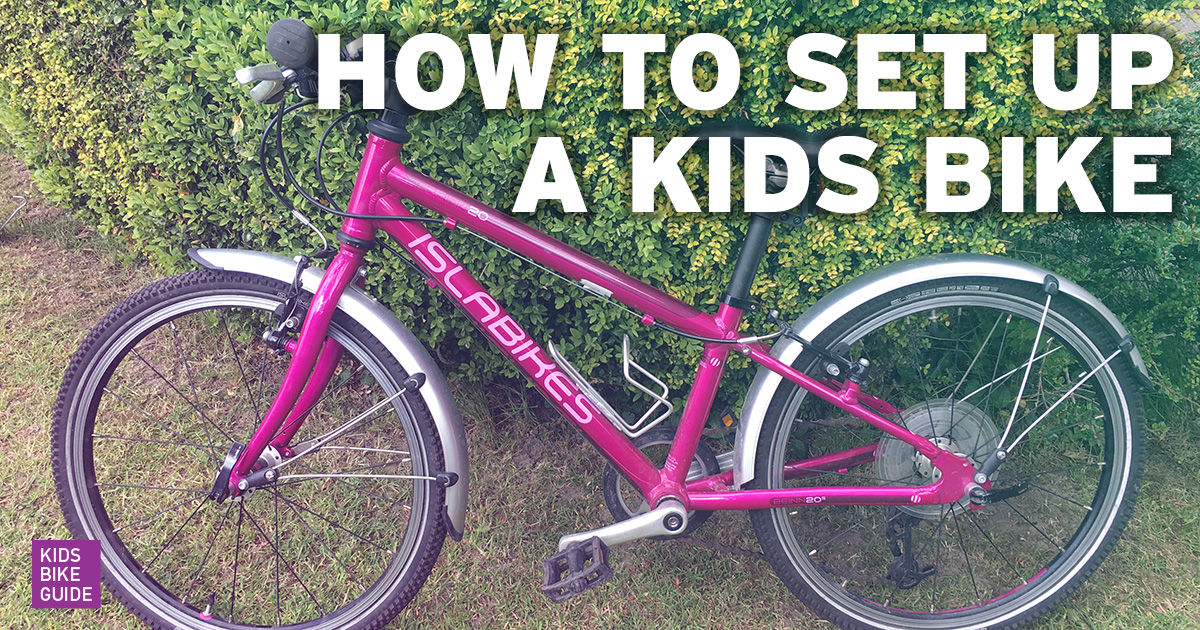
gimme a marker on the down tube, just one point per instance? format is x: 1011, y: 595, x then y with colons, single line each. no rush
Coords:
x: 518, y: 346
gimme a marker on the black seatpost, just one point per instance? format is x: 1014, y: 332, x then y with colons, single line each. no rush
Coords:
x: 753, y: 248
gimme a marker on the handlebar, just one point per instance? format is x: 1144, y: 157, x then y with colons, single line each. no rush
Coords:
x: 293, y: 46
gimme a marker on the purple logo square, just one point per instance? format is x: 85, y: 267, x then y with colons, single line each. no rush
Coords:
x: 66, y: 574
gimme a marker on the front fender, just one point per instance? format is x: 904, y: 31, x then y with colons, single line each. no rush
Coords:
x: 398, y: 340
x: 872, y: 285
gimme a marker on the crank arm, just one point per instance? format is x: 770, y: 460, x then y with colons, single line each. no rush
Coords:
x: 667, y: 519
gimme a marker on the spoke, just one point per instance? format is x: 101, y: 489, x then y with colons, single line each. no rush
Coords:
x: 187, y: 370
x: 978, y: 354
x: 203, y: 417
x: 987, y: 445
x: 363, y: 448
x: 1033, y: 525
x: 158, y: 513
x: 237, y: 547
x: 386, y: 500
x: 241, y: 370
x: 1066, y: 428
x: 1037, y: 340
x: 993, y: 442
x: 146, y: 440
x: 303, y: 416
x: 1064, y: 397
x: 858, y: 566
x: 321, y: 540
x: 990, y: 387
x: 372, y: 466
x: 216, y: 532
x: 335, y: 524
x: 170, y: 540
x: 924, y: 386
x: 206, y: 450
x: 845, y: 532
x: 288, y: 566
x: 970, y: 366
x: 1055, y: 470
x: 126, y: 485
x: 937, y: 557
x: 1051, y: 492
x: 361, y: 419
x: 967, y: 557
x: 971, y: 517
x: 997, y: 379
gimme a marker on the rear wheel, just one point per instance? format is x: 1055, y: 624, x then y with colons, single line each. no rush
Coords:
x: 171, y: 381
x: 952, y: 357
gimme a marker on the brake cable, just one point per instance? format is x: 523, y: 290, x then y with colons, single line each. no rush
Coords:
x: 277, y: 124
x: 321, y: 151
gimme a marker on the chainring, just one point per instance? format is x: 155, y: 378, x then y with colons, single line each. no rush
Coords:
x: 623, y: 498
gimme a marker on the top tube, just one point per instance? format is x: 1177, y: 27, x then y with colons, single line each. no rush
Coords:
x: 382, y: 172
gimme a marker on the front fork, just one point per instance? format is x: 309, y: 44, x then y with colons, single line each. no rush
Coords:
x: 314, y: 359
x: 327, y: 362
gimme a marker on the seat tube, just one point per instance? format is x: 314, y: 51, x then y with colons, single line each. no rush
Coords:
x: 700, y: 399
x: 753, y: 248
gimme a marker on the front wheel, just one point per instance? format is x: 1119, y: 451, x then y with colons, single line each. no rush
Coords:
x: 952, y: 357
x: 171, y: 382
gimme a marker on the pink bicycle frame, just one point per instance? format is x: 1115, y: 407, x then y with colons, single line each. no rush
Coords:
x: 383, y: 184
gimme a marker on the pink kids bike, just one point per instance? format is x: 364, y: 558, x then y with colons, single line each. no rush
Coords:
x: 947, y: 442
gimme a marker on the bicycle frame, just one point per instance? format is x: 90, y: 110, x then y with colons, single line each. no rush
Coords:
x: 383, y: 183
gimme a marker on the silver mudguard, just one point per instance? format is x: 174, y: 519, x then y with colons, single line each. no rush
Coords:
x: 871, y: 285
x: 398, y: 340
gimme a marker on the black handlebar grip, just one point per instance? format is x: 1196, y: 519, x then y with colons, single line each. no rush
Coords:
x: 291, y: 44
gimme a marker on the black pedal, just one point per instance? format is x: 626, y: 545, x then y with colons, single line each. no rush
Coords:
x: 579, y: 567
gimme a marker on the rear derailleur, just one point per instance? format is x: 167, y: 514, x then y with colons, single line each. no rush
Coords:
x: 904, y: 571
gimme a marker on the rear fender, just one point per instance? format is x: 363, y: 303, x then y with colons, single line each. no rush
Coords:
x: 871, y: 285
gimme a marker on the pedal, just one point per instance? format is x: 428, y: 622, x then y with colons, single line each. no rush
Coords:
x: 581, y: 566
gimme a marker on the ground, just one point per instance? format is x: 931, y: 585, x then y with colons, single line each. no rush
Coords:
x: 533, y: 480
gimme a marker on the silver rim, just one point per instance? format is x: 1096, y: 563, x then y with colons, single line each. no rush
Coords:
x: 377, y: 593
x: 1079, y: 551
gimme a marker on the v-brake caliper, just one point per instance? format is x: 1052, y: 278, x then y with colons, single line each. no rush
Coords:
x: 290, y: 313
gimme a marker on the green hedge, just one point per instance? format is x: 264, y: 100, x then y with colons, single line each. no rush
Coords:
x: 1147, y: 269
x: 129, y: 115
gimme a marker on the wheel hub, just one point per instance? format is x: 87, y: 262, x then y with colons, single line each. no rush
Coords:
x: 956, y: 426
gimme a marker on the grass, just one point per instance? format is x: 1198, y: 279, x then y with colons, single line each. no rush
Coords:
x: 532, y: 481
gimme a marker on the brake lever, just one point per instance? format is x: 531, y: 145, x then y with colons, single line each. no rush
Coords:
x: 353, y: 50
x: 270, y: 81
x: 267, y: 92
